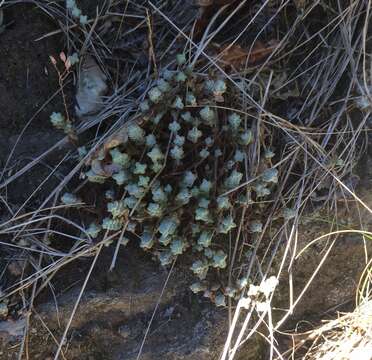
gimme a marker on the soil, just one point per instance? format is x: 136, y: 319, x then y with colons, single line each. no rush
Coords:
x: 27, y: 77
x: 29, y: 93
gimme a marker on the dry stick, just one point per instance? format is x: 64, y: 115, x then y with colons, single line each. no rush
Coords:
x: 41, y: 184
x: 233, y: 326
x: 77, y: 303
x: 204, y: 41
x: 69, y: 27
x: 49, y: 331
x: 338, y: 232
x: 25, y: 334
x: 155, y: 310
x: 151, y: 44
x: 77, y: 253
x: 254, y: 102
x: 347, y: 189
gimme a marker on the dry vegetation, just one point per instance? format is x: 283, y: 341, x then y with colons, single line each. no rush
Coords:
x: 299, y: 75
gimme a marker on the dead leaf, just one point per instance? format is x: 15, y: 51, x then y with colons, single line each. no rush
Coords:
x: 236, y: 57
x: 62, y: 56
x: 118, y: 138
x: 52, y: 60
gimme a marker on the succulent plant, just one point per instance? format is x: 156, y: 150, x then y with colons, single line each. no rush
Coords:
x: 155, y: 154
x: 194, y: 134
x: 112, y: 224
x: 147, y: 241
x: 238, y: 156
x: 150, y: 140
x: 219, y: 87
x: 204, y: 153
x: 183, y: 197
x: 159, y: 195
x: 155, y: 95
x: 135, y: 190
x: 205, y: 239
x: 136, y: 133
x: 180, y: 77
x: 110, y: 194
x: 269, y: 154
x: 177, y: 246
x: 191, y: 99
x: 223, y: 203
x: 219, y: 259
x: 168, y: 226
x: 179, y: 140
x: 93, y: 177
x: 144, y: 106
x: 121, y: 177
x: 202, y: 214
x: 256, y: 226
x: 163, y: 85
x: 270, y: 175
x: 181, y: 59
x: 154, y: 210
x: 234, y: 121
x: 178, y: 103
x: 246, y: 137
x: 234, y: 179
x: 187, y: 117
x: 117, y: 208
x: 177, y: 153
x: 227, y: 224
x: 180, y: 176
x: 143, y: 181
x: 93, y: 230
x: 220, y: 300
x: 139, y: 168
x: 130, y: 202
x: 74, y: 58
x: 70, y: 199
x: 119, y: 158
x: 165, y: 258
x: 261, y: 190
x: 200, y: 268
x: 206, y: 186
x: 197, y: 287
x: 204, y: 203
x: 208, y: 115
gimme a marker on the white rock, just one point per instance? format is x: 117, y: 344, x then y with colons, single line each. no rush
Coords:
x: 91, y: 88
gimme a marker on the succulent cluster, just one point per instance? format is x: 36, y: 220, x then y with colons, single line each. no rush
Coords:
x: 180, y: 176
x: 60, y: 122
x: 76, y: 12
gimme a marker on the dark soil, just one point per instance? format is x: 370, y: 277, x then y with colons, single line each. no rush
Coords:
x: 27, y: 78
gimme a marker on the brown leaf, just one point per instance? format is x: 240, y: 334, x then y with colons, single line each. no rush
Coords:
x: 235, y: 56
x: 118, y: 138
